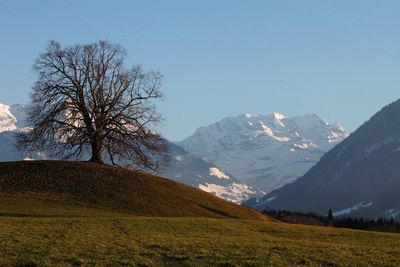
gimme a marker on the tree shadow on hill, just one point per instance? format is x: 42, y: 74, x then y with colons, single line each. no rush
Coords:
x: 24, y: 215
x: 225, y: 214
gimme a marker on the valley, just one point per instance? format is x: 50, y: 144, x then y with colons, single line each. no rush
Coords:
x: 199, y: 133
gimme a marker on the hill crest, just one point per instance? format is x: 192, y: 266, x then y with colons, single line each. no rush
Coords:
x: 114, y: 189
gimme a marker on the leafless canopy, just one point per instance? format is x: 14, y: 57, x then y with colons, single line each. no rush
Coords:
x: 85, y: 102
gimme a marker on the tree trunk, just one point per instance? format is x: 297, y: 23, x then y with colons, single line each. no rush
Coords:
x: 97, y: 151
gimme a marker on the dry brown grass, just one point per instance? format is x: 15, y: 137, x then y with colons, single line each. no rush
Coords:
x: 115, y: 189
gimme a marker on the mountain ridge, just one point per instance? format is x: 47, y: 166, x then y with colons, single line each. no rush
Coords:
x: 265, y: 151
x: 358, y: 177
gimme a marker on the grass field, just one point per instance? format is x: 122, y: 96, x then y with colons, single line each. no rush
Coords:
x: 43, y: 234
x: 116, y: 189
x: 80, y: 214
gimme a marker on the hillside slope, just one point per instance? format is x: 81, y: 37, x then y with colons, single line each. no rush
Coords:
x: 183, y: 166
x: 115, y: 189
x: 359, y: 177
x: 193, y: 170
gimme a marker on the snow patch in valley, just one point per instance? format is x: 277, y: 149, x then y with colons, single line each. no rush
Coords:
x: 302, y: 146
x: 218, y: 173
x: 234, y: 192
x: 263, y: 203
x: 392, y: 213
x: 354, y: 208
x: 271, y: 198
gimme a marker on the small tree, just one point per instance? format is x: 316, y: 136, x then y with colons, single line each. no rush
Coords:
x: 86, y: 101
x: 329, y: 219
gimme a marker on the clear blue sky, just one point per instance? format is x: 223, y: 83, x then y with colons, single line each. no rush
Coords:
x: 339, y: 59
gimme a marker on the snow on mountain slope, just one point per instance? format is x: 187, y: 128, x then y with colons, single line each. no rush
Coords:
x: 183, y: 166
x: 193, y: 170
x: 359, y: 177
x: 265, y: 151
x: 7, y: 120
x: 218, y: 173
x: 12, y: 117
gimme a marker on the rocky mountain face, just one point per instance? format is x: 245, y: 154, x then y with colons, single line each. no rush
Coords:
x: 266, y: 152
x: 359, y: 177
x: 193, y: 170
x: 183, y: 166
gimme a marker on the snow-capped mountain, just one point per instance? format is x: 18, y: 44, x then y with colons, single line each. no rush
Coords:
x: 7, y: 120
x: 12, y: 117
x: 183, y: 166
x: 193, y: 170
x: 358, y: 177
x: 265, y: 151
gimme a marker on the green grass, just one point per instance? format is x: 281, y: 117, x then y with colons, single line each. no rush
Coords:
x: 81, y: 214
x: 44, y: 234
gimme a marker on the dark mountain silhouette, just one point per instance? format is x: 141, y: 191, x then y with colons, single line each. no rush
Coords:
x: 358, y: 177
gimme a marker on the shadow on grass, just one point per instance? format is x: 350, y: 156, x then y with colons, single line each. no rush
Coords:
x: 24, y: 215
x: 25, y: 264
x: 225, y: 214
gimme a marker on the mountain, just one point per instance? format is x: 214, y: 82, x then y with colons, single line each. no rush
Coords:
x: 12, y: 117
x: 183, y: 166
x: 104, y: 187
x: 266, y: 152
x: 193, y: 170
x: 359, y: 177
x: 7, y: 119
x: 7, y: 149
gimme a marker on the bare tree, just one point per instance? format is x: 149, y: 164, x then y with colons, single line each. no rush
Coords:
x: 86, y: 101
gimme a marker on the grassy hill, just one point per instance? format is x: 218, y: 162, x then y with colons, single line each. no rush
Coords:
x: 82, y: 214
x: 113, y: 189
